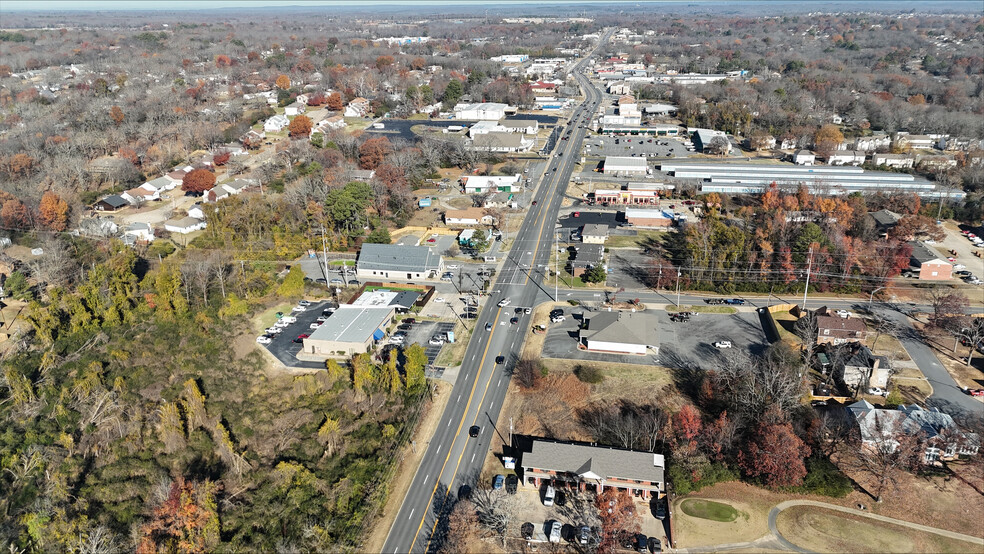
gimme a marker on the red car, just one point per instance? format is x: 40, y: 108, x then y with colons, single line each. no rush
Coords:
x: 976, y: 392
x: 534, y: 202
x: 577, y: 214
x: 431, y: 240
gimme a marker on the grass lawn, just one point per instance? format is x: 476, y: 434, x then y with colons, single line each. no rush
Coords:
x: 824, y: 530
x: 640, y: 239
x: 356, y: 123
x: 701, y: 309
x: 268, y: 317
x: 350, y: 263
x: 452, y: 354
x: 708, y: 509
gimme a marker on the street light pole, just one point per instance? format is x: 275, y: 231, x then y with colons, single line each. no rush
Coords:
x: 809, y: 266
x: 872, y: 296
x: 678, y: 289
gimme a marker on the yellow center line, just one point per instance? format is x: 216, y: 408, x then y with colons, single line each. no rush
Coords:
x: 457, y: 433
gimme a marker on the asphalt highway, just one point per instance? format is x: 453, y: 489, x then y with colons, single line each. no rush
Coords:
x: 453, y: 458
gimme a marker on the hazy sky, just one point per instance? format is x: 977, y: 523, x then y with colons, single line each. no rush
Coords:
x: 128, y: 5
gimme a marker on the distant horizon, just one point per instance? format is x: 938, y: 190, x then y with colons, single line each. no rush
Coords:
x: 196, y: 5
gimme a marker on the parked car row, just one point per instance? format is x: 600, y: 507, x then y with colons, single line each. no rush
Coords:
x: 730, y: 301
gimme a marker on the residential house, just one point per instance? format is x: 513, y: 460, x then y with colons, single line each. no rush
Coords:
x: 358, y: 107
x: 929, y: 264
x: 703, y: 138
x: 934, y: 162
x: 846, y: 157
x: 196, y: 211
x: 233, y: 188
x: 768, y: 142
x: 915, y: 142
x: 584, y: 257
x: 362, y: 175
x: 467, y: 216
x: 937, y: 434
x: 589, y: 467
x: 526, y: 126
x: 501, y: 200
x: 619, y: 332
x: 138, y: 232
x: 594, y: 233
x: 139, y: 195
x: 111, y: 203
x: 295, y: 108
x: 885, y: 220
x: 98, y: 227
x: 478, y: 184
x: 901, y: 161
x: 804, y: 157
x: 276, y: 124
x: 184, y: 225
x: 840, y: 330
x: 328, y: 123
x: 468, y: 236
x: 502, y: 142
x: 252, y: 139
x: 162, y: 184
x: 863, y: 369
x: 394, y: 261
x: 877, y: 141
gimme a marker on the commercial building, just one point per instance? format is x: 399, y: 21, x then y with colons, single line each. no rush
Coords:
x: 502, y: 142
x: 902, y: 161
x: 846, y: 157
x: 929, y: 264
x: 394, y: 261
x: 625, y: 166
x: 584, y: 257
x: 491, y: 183
x: 650, y: 219
x: 400, y: 300
x: 704, y: 140
x: 350, y: 330
x: 619, y: 332
x: 594, y: 468
x: 486, y: 110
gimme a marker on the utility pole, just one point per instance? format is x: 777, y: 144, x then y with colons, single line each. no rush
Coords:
x: 324, y: 252
x: 809, y: 266
x: 678, y: 288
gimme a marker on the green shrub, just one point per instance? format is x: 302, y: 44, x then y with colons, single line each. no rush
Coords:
x: 574, y: 302
x: 589, y: 374
x: 684, y: 483
x: 823, y: 478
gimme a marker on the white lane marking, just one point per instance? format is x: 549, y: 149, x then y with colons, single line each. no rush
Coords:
x: 439, y: 446
x: 449, y: 423
x: 459, y: 398
x: 500, y: 382
x: 411, y: 513
x: 473, y: 458
x: 490, y: 405
x: 427, y: 477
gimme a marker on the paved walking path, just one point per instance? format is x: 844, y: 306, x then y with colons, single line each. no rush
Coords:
x: 774, y: 513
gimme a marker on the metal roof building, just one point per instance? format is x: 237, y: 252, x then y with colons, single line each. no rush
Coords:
x: 624, y: 165
x: 395, y: 261
x: 350, y: 330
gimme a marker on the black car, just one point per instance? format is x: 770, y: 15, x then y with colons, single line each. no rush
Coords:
x: 512, y: 484
x: 642, y: 543
x: 473, y: 431
x: 654, y: 545
x: 514, y: 320
x: 735, y: 301
x: 527, y: 531
x: 499, y: 359
x: 713, y: 301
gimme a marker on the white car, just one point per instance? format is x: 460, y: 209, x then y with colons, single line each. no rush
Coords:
x: 843, y: 313
x: 298, y: 309
x: 397, y: 339
x: 453, y: 266
x: 558, y: 319
x: 273, y: 330
x: 528, y: 311
x: 281, y: 323
x: 289, y: 319
x: 959, y: 266
x: 503, y: 303
x: 440, y: 299
x: 722, y: 344
x: 878, y: 391
x: 304, y: 303
x: 314, y: 325
x: 435, y: 341
x: 263, y: 339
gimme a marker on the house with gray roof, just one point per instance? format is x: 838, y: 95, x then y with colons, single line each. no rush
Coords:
x: 937, y: 433
x: 589, y: 467
x: 395, y: 261
x: 619, y: 332
x: 885, y: 219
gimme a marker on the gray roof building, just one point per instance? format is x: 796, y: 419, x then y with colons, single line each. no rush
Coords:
x: 922, y: 253
x: 349, y: 330
x: 595, y: 465
x: 885, y: 219
x: 620, y: 332
x: 396, y: 259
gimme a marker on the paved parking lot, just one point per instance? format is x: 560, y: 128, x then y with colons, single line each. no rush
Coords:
x: 659, y: 147
x: 628, y: 267
x: 421, y: 333
x: 283, y: 347
x: 682, y: 345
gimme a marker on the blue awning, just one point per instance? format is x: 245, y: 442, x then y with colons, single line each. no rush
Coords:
x: 377, y: 334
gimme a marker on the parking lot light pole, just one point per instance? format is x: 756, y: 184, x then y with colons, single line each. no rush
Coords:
x: 678, y: 289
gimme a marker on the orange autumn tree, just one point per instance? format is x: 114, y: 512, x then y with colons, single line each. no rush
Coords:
x: 198, y: 180
x: 335, y: 102
x: 300, y: 126
x: 186, y: 522
x: 53, y: 212
x: 117, y: 115
x: 283, y: 82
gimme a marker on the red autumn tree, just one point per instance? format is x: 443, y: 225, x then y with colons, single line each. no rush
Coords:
x: 300, y: 126
x: 391, y: 176
x: 128, y: 154
x: 283, y: 82
x: 14, y: 214
x: 198, y: 180
x: 617, y: 514
x: 221, y: 158
x: 223, y: 61
x: 316, y: 99
x: 687, y: 424
x: 116, y: 114
x: 372, y: 152
x: 18, y: 164
x: 774, y: 453
x: 383, y: 62
x: 335, y: 102
x: 185, y: 522
x: 53, y: 212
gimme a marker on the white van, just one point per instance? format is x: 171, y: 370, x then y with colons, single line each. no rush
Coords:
x: 489, y: 259
x: 548, y: 497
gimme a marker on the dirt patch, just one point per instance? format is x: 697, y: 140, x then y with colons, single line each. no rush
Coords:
x: 407, y: 469
x: 823, y: 530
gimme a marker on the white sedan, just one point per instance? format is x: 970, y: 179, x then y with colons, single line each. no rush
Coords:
x: 263, y: 339
x: 298, y: 309
x: 440, y: 299
x: 315, y: 325
x: 273, y: 330
x: 722, y: 344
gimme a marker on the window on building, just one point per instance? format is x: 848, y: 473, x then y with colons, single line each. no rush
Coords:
x: 932, y: 454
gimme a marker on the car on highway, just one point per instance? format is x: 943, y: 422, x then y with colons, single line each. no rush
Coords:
x: 975, y: 392
x: 474, y: 430
x: 527, y: 311
x: 263, y: 339
x: 499, y: 360
x: 713, y: 301
x: 534, y: 202
x: 503, y: 303
x: 735, y: 301
x: 513, y: 320
x: 722, y: 344
x: 488, y: 326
